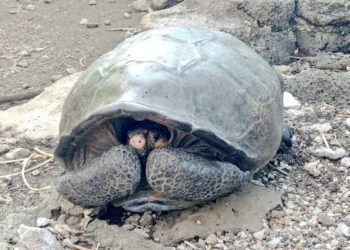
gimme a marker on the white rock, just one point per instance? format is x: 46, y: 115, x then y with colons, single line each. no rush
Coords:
x: 38, y: 238
x: 345, y: 162
x: 290, y: 102
x: 127, y: 15
x: 4, y: 148
x: 274, y: 243
x: 323, y: 127
x: 36, y: 172
x: 294, y: 113
x: 283, y: 69
x: 42, y: 222
x: 141, y: 232
x: 146, y: 219
x: 141, y: 5
x: 311, y: 167
x: 31, y: 7
x: 342, y: 230
x: 347, y: 123
x: 259, y: 235
x: 329, y: 153
x: 83, y: 21
x: 17, y: 153
x: 211, y: 239
x: 39, y: 118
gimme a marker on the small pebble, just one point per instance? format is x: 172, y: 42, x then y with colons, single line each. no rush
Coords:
x: 23, y: 64
x: 17, y: 153
x: 83, y: 21
x: 311, y: 167
x: 342, y: 230
x: 31, y: 7
x: 23, y: 53
x: 56, y: 77
x: 111, y: 1
x: 74, y: 239
x: 290, y: 102
x: 211, y: 239
x: 48, y: 1
x: 274, y: 243
x: 42, y: 222
x: 140, y: 5
x: 71, y: 70
x: 325, y: 220
x: 13, y: 11
x: 329, y: 153
x: 324, y: 127
x: 36, y: 172
x: 345, y: 162
x: 127, y: 15
x: 141, y: 232
x: 133, y: 219
x: 91, y: 25
x: 67, y: 243
x: 4, y: 148
x: 259, y: 235
x: 37, y: 238
x: 146, y: 219
x: 347, y: 123
x: 107, y: 22
x: 156, y: 239
x: 201, y: 243
x: 283, y: 69
x: 25, y: 86
x: 92, y: 2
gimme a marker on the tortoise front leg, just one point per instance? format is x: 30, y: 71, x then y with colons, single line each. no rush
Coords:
x: 113, y: 175
x: 179, y: 174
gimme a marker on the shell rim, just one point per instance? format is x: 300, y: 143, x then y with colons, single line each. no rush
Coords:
x: 68, y: 142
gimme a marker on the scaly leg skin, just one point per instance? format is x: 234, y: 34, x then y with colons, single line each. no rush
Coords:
x: 179, y: 174
x: 115, y: 174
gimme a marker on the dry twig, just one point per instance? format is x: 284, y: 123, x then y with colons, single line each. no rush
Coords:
x: 324, y: 140
x: 27, y: 170
x: 121, y: 29
x: 43, y: 153
x: 24, y: 165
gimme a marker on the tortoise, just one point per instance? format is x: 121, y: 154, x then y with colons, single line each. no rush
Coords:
x: 170, y: 118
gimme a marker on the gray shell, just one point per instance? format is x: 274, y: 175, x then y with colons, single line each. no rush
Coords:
x: 206, y: 83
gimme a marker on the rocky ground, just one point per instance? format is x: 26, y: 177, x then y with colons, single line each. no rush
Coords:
x: 313, y: 177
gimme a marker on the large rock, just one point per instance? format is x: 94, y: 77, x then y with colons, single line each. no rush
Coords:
x: 239, y: 211
x: 262, y: 24
x: 38, y: 238
x: 315, y: 86
x: 39, y: 118
x: 323, y: 25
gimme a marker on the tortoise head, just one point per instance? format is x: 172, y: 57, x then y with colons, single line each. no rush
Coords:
x: 146, y: 136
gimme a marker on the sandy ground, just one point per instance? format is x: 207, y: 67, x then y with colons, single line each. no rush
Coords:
x: 42, y: 41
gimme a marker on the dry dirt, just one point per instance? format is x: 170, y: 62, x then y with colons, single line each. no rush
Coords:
x: 44, y: 40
